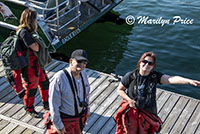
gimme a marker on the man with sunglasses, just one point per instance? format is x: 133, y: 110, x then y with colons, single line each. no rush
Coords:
x: 141, y: 90
x: 69, y: 96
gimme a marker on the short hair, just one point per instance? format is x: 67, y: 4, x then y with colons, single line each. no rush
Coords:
x: 150, y: 54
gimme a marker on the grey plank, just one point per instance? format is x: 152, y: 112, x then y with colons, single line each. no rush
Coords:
x: 21, y: 115
x: 168, y: 107
x: 93, y: 77
x: 95, y: 84
x: 161, y: 100
x: 110, y: 124
x: 2, y: 80
x: 197, y: 130
x: 113, y: 130
x: 193, y: 122
x: 99, y: 90
x: 17, y: 130
x: 174, y: 115
x: 99, y: 109
x: 4, y: 85
x: 158, y: 93
x: 3, y: 123
x: 7, y: 130
x: 101, y: 121
x: 28, y: 131
x: 37, y: 133
x: 183, y: 119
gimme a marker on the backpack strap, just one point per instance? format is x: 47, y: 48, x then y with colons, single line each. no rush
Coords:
x: 27, y: 53
x: 73, y: 91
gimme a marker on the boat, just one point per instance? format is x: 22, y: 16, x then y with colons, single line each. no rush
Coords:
x: 59, y: 20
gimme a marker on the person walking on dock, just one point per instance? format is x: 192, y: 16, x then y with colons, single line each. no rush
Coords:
x: 32, y: 74
x: 141, y: 94
x: 69, y: 96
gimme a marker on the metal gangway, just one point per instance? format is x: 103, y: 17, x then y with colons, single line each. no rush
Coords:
x: 61, y: 20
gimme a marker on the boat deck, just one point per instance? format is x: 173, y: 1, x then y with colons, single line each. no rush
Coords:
x: 179, y: 113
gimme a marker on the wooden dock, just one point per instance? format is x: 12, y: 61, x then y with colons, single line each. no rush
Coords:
x: 180, y: 114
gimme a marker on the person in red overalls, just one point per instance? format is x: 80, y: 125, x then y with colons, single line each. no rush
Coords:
x: 32, y: 74
x: 141, y: 92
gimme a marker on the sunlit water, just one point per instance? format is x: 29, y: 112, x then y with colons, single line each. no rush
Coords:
x: 116, y: 48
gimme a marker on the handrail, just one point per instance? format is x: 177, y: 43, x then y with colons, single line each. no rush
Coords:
x: 70, y: 21
x: 42, y: 8
x: 46, y: 20
x: 36, y: 2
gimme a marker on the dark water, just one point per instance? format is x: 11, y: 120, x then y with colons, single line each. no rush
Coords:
x: 116, y: 48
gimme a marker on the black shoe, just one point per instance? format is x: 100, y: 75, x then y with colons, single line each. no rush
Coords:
x: 33, y: 114
x: 46, y: 105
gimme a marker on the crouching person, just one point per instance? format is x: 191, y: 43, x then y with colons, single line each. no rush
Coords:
x: 69, y: 97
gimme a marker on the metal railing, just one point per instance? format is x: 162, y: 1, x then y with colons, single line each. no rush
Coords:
x: 59, y: 12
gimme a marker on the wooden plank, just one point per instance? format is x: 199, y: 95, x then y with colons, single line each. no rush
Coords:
x: 104, y: 95
x: 113, y: 130
x: 94, y: 85
x: 110, y: 124
x: 184, y: 117
x: 90, y: 72
x: 37, y: 133
x: 193, y: 122
x: 8, y: 104
x: 4, y: 95
x: 4, y: 85
x: 158, y: 93
x: 14, y: 121
x: 166, y: 110
x: 20, y: 115
x: 3, y: 123
x: 99, y: 90
x: 98, y: 110
x: 197, y: 130
x: 161, y: 100
x: 93, y: 77
x: 28, y: 118
x: 7, y: 130
x: 101, y: 121
x: 2, y: 80
x: 174, y: 115
x: 18, y: 130
x: 28, y: 131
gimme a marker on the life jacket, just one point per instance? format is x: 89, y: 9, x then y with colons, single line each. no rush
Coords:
x: 136, y: 121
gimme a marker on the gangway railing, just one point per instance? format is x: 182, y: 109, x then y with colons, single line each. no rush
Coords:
x: 57, y: 21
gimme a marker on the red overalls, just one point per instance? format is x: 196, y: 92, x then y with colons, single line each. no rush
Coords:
x: 135, y: 121
x: 72, y: 125
x: 33, y: 77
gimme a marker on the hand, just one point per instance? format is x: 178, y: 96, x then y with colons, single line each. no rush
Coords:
x: 194, y: 82
x: 62, y: 131
x: 132, y: 103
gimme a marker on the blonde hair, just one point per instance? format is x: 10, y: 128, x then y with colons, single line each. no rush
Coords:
x: 28, y: 20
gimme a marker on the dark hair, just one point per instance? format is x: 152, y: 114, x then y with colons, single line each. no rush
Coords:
x: 28, y: 18
x: 150, y: 54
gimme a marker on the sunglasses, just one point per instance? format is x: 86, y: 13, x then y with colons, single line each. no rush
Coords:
x: 150, y: 63
x: 82, y: 61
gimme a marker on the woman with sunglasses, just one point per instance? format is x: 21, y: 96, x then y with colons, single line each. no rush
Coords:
x: 141, y: 86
